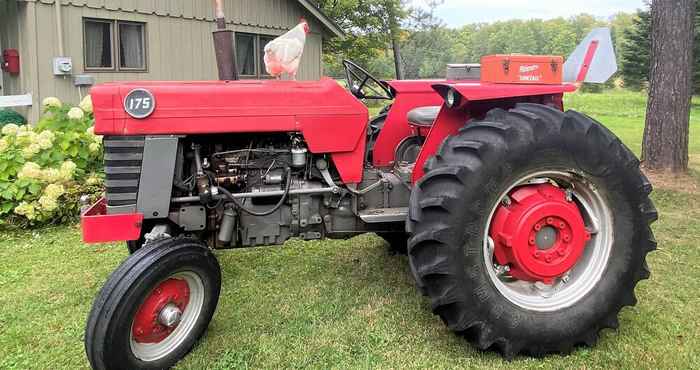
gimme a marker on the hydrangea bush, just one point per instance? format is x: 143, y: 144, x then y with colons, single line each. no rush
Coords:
x: 46, y: 168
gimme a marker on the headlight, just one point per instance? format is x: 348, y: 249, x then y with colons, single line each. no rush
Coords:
x: 453, y: 98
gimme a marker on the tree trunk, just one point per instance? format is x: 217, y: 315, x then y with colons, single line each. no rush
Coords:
x: 668, y: 112
x: 393, y: 28
x: 397, y: 57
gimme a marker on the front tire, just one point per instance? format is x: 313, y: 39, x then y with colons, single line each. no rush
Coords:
x: 451, y: 219
x: 154, y: 307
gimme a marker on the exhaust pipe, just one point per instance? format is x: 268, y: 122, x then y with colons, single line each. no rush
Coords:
x: 223, y: 46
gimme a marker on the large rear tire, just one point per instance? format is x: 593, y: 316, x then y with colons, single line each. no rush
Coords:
x: 451, y: 219
x: 154, y: 307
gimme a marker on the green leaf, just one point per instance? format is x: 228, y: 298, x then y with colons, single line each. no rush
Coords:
x: 35, y: 188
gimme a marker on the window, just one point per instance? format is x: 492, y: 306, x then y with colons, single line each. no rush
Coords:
x: 98, y: 45
x: 115, y: 45
x: 264, y: 40
x: 245, y: 58
x: 132, y: 48
x: 250, y: 54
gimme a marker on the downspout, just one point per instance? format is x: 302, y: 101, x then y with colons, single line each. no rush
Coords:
x: 59, y: 27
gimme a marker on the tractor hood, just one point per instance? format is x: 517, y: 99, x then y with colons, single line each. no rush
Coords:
x: 208, y: 107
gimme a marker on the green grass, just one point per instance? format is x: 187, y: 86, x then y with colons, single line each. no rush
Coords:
x: 349, y: 304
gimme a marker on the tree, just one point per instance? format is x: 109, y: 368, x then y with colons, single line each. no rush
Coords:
x: 368, y: 30
x: 635, y: 51
x: 665, y: 144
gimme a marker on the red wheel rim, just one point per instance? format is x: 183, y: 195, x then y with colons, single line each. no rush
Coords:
x: 148, y: 326
x: 540, y: 233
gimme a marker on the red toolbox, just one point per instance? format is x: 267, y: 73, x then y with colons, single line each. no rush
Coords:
x: 522, y: 69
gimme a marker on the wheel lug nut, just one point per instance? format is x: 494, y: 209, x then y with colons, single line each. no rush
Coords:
x: 550, y: 220
x: 532, y: 241
x: 561, y: 225
x: 561, y: 252
x: 548, y: 259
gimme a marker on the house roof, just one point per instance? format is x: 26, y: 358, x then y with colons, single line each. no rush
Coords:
x: 327, y: 22
x: 189, y: 9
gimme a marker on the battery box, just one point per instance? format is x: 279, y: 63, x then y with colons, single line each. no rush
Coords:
x: 522, y: 69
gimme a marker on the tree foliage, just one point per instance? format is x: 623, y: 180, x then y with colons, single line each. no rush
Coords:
x: 635, y: 51
x: 368, y: 30
x: 427, y: 45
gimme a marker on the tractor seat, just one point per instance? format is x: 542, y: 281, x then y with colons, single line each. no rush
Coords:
x: 423, y: 116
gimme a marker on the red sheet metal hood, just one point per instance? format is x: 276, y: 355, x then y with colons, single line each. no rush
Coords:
x: 224, y: 106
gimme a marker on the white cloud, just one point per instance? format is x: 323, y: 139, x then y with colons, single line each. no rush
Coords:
x: 460, y: 12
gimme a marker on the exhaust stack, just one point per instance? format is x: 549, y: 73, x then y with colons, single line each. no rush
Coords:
x: 223, y: 46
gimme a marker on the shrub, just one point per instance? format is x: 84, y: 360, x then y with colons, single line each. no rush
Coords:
x: 8, y: 116
x: 45, y: 169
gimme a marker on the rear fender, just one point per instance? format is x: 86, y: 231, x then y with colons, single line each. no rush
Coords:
x: 477, y: 99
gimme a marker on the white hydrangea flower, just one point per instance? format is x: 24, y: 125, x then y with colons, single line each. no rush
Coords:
x: 47, y: 203
x: 46, y: 134
x: 76, y: 114
x: 67, y: 170
x: 98, y: 139
x: 30, y: 170
x: 3, y: 145
x: 86, y: 104
x: 44, y: 143
x: 50, y: 175
x: 90, y: 130
x: 68, y: 166
x: 10, y: 129
x: 54, y: 191
x: 94, y: 147
x: 93, y: 180
x: 26, y: 209
x: 31, y: 150
x: 52, y: 102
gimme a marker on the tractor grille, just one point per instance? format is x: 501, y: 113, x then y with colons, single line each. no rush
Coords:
x: 123, y: 157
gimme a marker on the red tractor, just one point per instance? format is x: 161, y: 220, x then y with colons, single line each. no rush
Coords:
x: 526, y: 226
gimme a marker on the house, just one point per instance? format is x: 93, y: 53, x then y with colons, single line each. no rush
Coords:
x: 66, y: 47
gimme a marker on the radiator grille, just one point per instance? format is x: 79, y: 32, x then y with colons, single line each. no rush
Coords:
x: 123, y: 158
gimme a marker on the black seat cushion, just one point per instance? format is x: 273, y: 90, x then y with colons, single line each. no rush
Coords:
x: 423, y: 116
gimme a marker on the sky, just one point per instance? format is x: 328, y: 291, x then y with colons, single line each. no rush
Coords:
x: 460, y: 12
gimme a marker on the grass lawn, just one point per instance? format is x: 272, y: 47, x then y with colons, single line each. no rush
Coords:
x: 349, y: 304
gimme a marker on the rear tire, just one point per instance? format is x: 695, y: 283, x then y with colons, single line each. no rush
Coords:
x: 114, y: 338
x: 450, y: 215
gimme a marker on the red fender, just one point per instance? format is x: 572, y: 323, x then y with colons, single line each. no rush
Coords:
x: 476, y: 99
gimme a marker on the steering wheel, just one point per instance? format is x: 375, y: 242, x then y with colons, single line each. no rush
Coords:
x: 363, y: 85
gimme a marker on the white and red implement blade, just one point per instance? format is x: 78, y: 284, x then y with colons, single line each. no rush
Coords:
x: 593, y: 60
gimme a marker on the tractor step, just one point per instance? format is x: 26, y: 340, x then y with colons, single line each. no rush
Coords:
x: 380, y: 215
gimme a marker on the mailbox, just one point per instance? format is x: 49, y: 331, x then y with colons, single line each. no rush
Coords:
x: 10, y: 61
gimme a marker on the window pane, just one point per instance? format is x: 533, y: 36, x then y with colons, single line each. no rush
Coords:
x: 132, y: 51
x: 245, y: 54
x: 263, y: 41
x: 98, y: 44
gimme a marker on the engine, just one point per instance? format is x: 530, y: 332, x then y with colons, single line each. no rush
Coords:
x: 247, y: 190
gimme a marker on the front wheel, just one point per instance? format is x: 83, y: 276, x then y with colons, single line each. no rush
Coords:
x: 154, y: 307
x: 530, y: 230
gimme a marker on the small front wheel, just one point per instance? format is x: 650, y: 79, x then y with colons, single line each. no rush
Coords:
x: 154, y: 307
